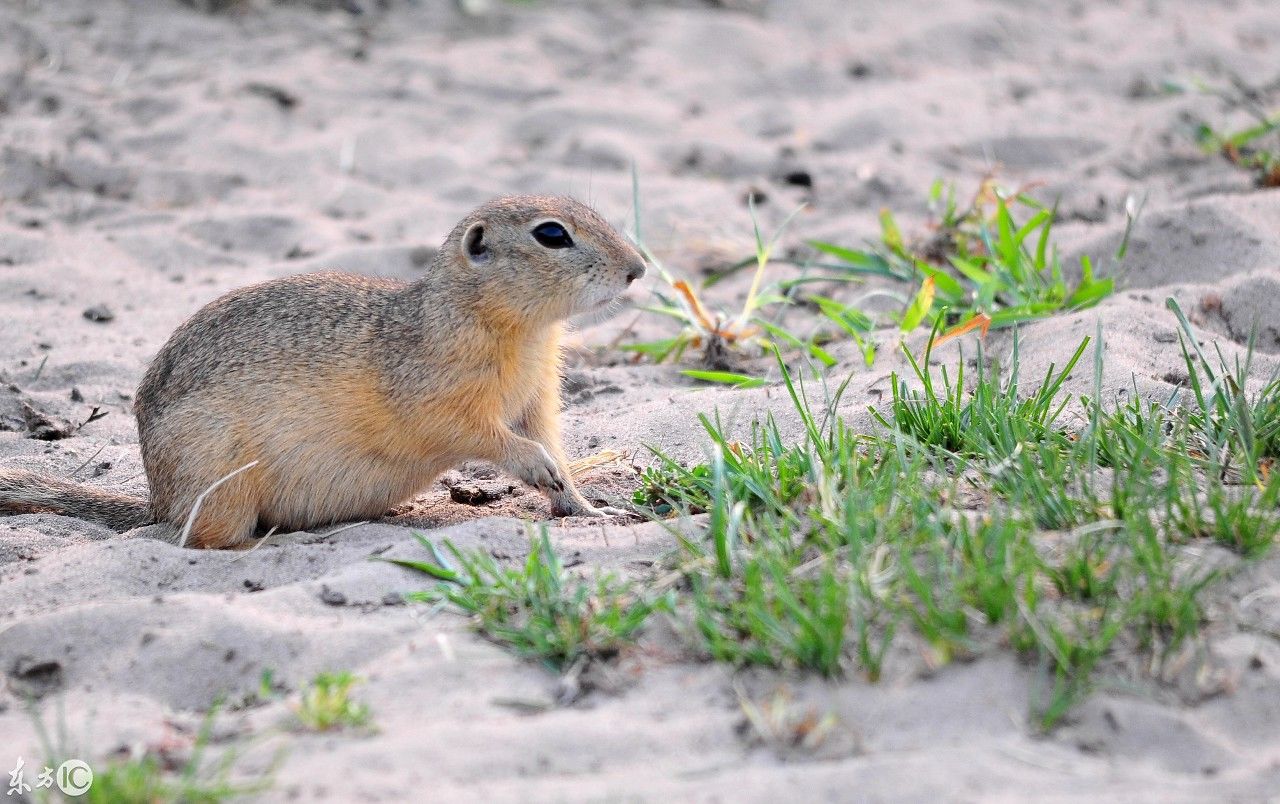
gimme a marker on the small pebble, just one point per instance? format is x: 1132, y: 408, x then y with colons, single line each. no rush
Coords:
x: 99, y: 313
x: 332, y: 597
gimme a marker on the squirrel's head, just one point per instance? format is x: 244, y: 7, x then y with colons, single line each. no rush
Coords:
x: 545, y: 257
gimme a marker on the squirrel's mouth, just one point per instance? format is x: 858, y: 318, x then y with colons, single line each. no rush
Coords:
x: 595, y: 306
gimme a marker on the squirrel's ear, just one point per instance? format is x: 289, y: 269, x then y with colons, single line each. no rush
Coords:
x: 474, y: 246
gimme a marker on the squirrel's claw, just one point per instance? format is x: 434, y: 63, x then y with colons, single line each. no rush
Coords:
x: 609, y: 510
x: 603, y: 511
x: 580, y: 507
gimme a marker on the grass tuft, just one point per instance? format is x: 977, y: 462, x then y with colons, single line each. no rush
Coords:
x: 986, y: 265
x: 540, y: 610
x: 821, y: 554
x: 1254, y: 148
x: 990, y: 419
x: 981, y: 263
x: 326, y: 704
x: 1234, y: 431
x: 162, y: 774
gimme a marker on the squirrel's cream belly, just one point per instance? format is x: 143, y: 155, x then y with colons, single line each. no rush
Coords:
x: 330, y: 486
x: 342, y: 451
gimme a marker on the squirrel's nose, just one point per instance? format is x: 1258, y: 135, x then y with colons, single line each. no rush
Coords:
x: 634, y: 272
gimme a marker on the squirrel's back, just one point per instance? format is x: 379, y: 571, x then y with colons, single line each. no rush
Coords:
x: 271, y: 332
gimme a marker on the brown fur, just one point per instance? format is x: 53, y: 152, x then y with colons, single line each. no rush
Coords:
x: 352, y: 394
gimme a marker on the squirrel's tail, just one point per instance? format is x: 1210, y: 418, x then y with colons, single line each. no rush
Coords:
x: 23, y: 492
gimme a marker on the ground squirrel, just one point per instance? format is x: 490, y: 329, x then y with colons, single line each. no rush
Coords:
x: 345, y: 395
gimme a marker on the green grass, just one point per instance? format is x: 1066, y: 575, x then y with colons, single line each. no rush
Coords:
x: 987, y: 512
x: 716, y: 332
x: 326, y: 704
x: 982, y: 262
x: 767, y: 613
x: 820, y: 554
x: 670, y: 486
x: 146, y: 780
x: 1234, y: 430
x: 155, y: 777
x: 540, y: 610
x: 1254, y: 148
x: 990, y: 419
x: 983, y: 266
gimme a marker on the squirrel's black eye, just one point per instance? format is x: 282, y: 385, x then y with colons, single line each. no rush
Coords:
x: 552, y: 235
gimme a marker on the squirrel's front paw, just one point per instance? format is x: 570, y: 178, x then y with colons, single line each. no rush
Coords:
x: 605, y: 510
x: 537, y: 468
x: 580, y: 507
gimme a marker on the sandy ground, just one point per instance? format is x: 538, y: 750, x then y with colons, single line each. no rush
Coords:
x: 153, y: 156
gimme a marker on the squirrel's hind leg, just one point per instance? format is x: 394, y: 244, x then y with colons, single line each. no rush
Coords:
x: 227, y: 518
x: 224, y: 528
